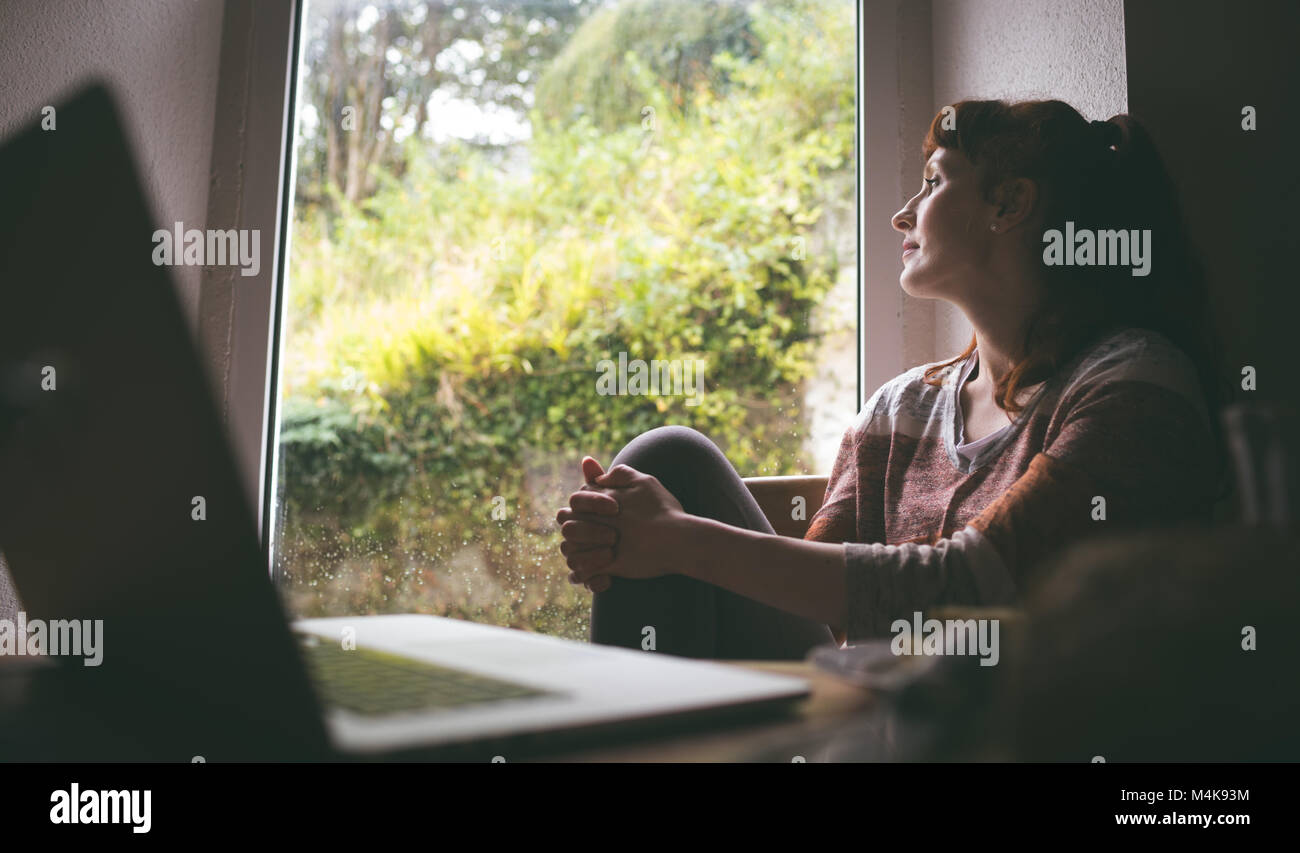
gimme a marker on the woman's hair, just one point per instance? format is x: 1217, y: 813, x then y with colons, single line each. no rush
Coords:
x: 1100, y: 176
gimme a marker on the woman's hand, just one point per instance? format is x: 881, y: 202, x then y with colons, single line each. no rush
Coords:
x: 589, y: 544
x: 644, y: 536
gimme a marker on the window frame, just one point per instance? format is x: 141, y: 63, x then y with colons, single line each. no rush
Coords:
x: 269, y: 474
x: 252, y: 149
x: 257, y: 315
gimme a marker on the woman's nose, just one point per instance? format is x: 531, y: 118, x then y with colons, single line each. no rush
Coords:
x: 904, y: 220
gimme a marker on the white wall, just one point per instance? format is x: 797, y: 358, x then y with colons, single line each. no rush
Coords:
x: 896, y: 106
x: 1019, y: 49
x: 162, y: 59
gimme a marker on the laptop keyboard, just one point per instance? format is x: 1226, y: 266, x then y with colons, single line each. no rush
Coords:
x: 371, y: 682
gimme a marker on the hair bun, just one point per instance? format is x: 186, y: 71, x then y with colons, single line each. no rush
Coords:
x: 1108, y: 134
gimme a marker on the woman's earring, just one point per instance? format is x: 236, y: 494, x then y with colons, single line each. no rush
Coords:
x: 993, y: 227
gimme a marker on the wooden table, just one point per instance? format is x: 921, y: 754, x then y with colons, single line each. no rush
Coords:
x: 834, y: 707
x: 806, y: 731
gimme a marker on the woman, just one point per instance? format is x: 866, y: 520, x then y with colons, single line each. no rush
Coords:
x: 1085, y: 403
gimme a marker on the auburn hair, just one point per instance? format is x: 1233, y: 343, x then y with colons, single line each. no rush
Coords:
x: 1098, y: 175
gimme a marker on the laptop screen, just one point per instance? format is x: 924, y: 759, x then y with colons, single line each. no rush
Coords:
x: 119, y: 499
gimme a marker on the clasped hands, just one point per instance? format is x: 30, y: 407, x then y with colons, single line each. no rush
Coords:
x: 621, y: 523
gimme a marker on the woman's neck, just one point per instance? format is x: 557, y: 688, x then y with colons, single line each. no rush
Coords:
x: 991, y: 363
x: 1010, y: 296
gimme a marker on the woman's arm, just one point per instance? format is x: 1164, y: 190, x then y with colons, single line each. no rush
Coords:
x: 795, y: 575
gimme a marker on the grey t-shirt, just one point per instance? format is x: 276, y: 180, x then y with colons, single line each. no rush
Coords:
x: 969, y: 450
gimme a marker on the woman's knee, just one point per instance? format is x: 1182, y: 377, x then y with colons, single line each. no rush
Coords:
x: 669, y: 448
x: 673, y: 434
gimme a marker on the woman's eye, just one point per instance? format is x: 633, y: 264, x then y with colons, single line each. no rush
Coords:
x: 930, y: 181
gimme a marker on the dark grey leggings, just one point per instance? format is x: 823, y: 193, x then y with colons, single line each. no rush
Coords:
x: 690, y: 617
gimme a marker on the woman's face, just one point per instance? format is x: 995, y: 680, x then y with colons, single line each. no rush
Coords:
x: 945, y: 228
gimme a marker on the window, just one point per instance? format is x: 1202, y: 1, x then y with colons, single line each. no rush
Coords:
x: 522, y: 232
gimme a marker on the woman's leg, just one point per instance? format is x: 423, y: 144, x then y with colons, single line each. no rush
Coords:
x: 690, y: 617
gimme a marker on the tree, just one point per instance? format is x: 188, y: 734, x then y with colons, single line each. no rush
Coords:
x: 383, y: 61
x: 675, y: 40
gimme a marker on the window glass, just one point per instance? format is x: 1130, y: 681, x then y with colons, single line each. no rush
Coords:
x: 523, y: 232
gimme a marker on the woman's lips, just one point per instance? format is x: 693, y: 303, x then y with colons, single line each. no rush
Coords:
x: 909, y: 250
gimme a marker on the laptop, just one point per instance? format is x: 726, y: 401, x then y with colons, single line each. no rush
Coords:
x: 109, y: 437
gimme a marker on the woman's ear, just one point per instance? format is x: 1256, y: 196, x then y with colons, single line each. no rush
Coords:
x: 1015, y: 199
